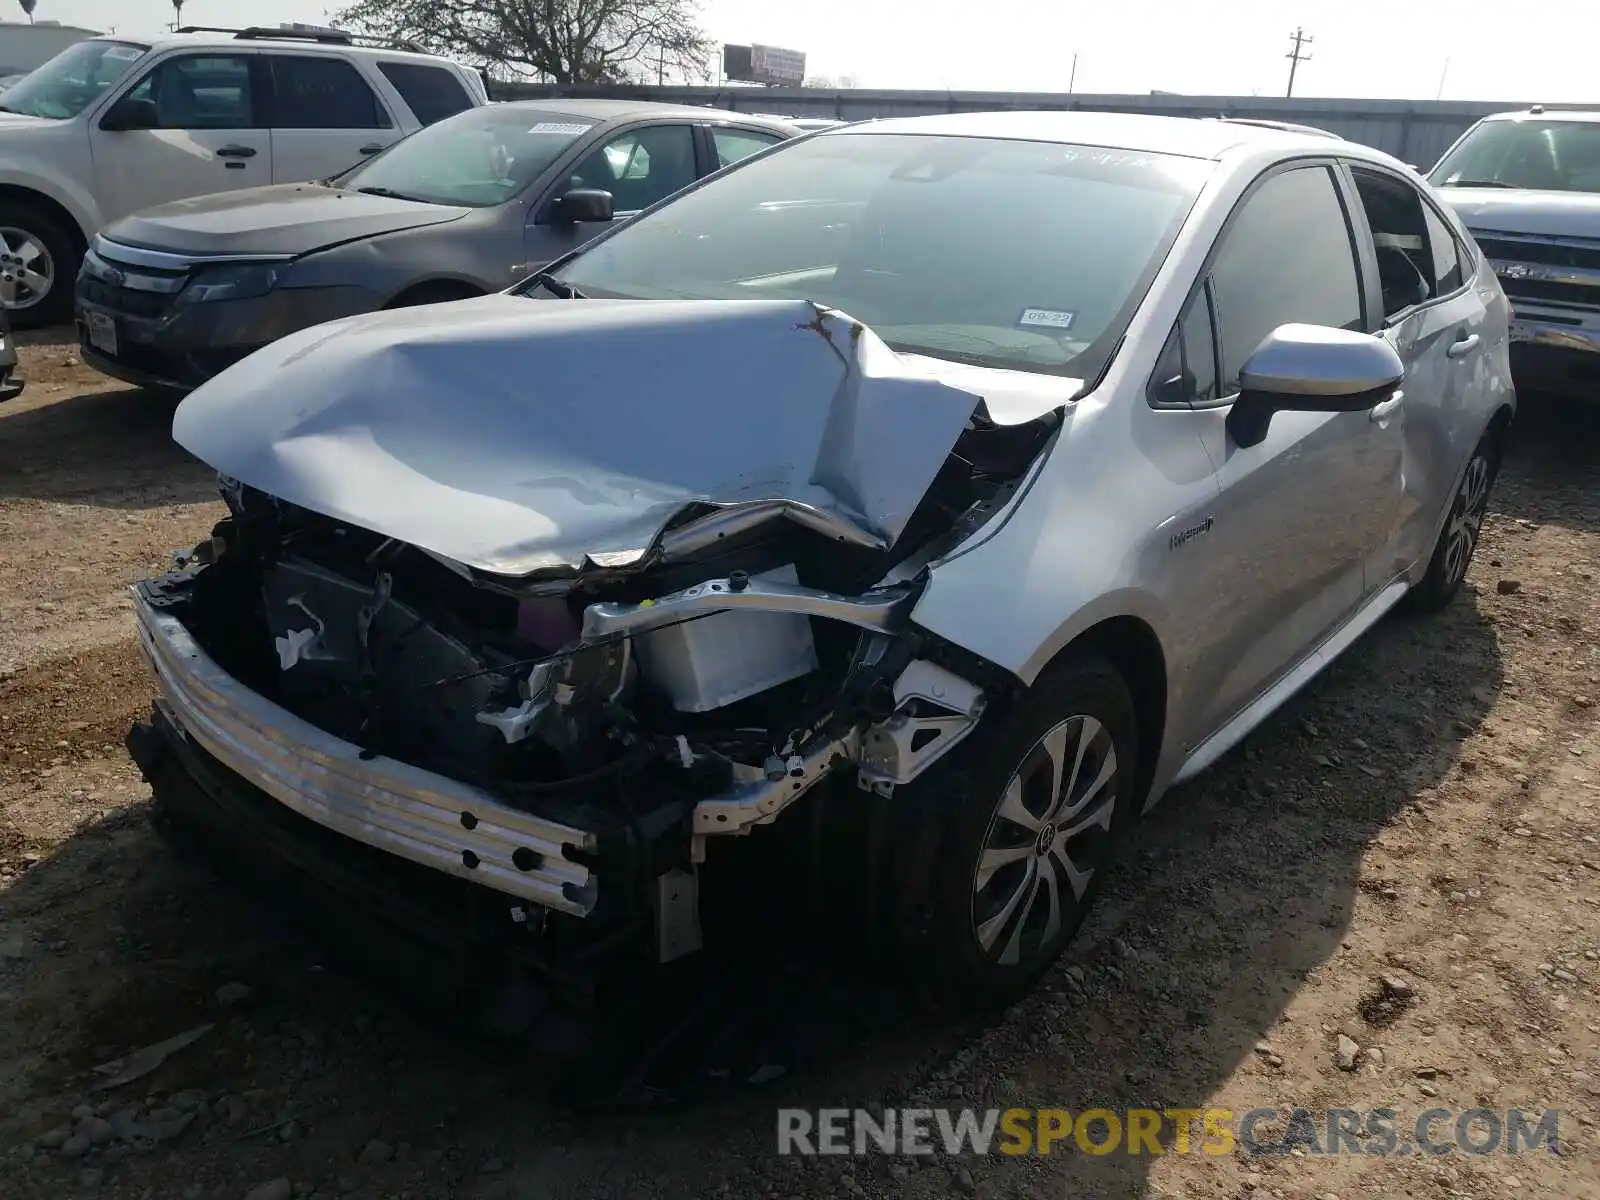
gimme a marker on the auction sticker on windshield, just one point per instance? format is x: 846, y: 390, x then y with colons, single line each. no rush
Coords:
x: 1049, y: 318
x: 102, y: 331
x: 570, y: 127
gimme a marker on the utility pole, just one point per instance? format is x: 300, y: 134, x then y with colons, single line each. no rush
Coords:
x: 1301, y: 38
x: 1073, y: 77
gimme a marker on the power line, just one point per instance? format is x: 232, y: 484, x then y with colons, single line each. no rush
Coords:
x: 1300, y: 38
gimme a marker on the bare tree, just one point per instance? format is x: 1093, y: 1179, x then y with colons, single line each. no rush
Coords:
x: 562, y: 41
x: 28, y: 6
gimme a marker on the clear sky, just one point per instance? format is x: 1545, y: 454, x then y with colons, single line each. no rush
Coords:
x: 1479, y: 49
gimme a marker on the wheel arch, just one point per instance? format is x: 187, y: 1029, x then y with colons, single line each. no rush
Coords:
x: 435, y: 291
x: 16, y: 193
x: 1131, y: 645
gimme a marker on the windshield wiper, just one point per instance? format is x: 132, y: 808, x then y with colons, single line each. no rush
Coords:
x: 391, y: 194
x: 556, y: 287
x: 1482, y: 183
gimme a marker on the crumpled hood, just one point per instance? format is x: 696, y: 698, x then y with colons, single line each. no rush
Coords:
x: 290, y: 219
x: 1541, y: 214
x: 516, y: 435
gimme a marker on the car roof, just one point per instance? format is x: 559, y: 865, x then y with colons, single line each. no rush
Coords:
x: 1186, y: 136
x: 284, y: 41
x: 1586, y: 115
x: 608, y: 110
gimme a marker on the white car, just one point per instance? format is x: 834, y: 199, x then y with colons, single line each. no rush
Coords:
x: 113, y: 125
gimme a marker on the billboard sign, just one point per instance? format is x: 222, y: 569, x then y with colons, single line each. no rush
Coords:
x: 763, y: 64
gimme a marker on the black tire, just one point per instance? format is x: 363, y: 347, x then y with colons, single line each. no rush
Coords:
x: 47, y: 233
x: 976, y: 954
x: 1458, y: 540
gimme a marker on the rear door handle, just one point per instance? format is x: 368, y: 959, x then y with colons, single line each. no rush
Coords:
x: 1465, y: 344
x: 1379, y: 412
x: 236, y: 152
x: 369, y: 151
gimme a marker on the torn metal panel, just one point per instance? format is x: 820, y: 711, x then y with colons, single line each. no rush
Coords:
x: 515, y: 436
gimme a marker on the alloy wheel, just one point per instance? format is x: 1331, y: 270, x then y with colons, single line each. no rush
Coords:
x: 1048, y: 836
x: 1466, y: 519
x: 27, y: 272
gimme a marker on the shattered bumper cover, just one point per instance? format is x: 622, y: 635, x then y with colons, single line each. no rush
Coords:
x: 415, y: 814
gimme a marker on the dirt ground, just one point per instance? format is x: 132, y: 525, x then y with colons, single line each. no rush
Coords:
x: 1428, y: 813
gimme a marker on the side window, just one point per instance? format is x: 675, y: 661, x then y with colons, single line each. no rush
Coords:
x: 734, y: 144
x: 1395, y: 214
x: 1447, y: 273
x: 432, y: 93
x: 1186, y: 373
x: 201, y: 92
x: 323, y: 93
x: 639, y: 167
x: 1287, y: 257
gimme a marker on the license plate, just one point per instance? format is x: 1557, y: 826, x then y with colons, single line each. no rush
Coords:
x: 102, y: 331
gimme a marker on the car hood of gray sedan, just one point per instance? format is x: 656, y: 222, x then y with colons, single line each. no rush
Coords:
x: 290, y: 219
x: 517, y: 436
x: 1535, y: 213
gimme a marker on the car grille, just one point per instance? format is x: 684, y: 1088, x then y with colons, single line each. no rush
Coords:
x: 129, y: 301
x: 1553, y: 254
x: 1550, y: 291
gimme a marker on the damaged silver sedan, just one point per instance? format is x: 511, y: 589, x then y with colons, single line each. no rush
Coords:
x: 980, y: 476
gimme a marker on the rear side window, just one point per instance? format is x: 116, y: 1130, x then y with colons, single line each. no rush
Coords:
x: 432, y: 93
x: 1446, y: 261
x: 734, y: 144
x: 1287, y: 257
x: 323, y: 93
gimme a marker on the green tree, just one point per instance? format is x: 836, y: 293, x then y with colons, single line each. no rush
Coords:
x: 559, y: 41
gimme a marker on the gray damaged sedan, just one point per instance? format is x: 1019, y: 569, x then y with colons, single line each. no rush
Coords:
x: 172, y: 295
x: 933, y: 494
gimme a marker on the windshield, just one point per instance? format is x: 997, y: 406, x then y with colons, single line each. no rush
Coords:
x: 1559, y: 156
x: 72, y: 80
x: 480, y: 157
x: 1023, y: 255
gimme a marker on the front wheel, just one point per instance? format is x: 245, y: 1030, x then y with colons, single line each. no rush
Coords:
x: 1452, y: 554
x: 1049, y: 789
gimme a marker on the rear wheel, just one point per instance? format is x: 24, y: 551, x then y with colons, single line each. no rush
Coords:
x: 1458, y: 540
x: 1048, y: 793
x: 38, y: 267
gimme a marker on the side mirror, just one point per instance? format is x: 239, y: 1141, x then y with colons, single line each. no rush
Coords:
x: 129, y: 114
x: 1311, y: 368
x: 582, y: 204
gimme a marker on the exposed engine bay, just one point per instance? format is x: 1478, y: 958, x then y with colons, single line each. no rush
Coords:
x: 653, y: 700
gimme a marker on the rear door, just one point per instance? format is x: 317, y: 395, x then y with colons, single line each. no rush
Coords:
x: 211, y: 134
x: 1437, y: 323
x: 325, y: 117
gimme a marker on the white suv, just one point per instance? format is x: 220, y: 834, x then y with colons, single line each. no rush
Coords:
x: 113, y: 125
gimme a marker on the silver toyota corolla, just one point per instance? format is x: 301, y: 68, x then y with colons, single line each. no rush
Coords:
x: 934, y: 492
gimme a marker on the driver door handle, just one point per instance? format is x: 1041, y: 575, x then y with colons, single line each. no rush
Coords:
x: 236, y: 152
x: 1465, y: 344
x: 370, y: 150
x: 1380, y: 412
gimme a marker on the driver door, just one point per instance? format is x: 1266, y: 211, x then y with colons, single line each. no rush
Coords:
x: 1298, y: 514
x: 210, y: 135
x: 638, y: 166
